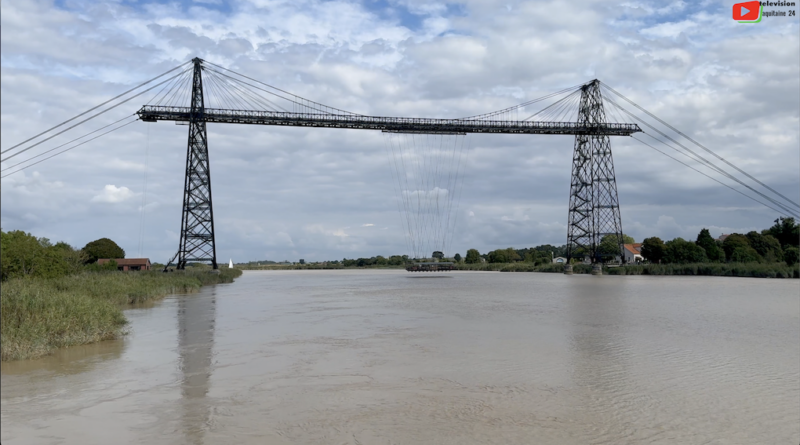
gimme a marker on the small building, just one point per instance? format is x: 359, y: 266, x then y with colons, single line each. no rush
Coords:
x: 559, y: 260
x: 127, y: 264
x: 722, y: 237
x: 633, y: 253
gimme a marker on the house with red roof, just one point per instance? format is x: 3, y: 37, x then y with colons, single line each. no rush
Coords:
x: 633, y: 253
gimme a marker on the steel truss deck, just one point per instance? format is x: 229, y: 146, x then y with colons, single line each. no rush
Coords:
x: 151, y: 113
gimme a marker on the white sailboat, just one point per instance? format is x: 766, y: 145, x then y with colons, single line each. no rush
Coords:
x: 230, y: 264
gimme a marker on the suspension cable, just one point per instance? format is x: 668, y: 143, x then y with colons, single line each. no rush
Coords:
x: 93, y: 108
x: 703, y: 160
x: 701, y: 145
x: 87, y: 119
x: 70, y: 148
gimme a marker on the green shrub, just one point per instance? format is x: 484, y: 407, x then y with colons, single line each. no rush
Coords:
x: 791, y: 255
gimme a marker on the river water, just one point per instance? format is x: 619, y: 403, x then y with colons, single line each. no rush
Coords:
x: 388, y: 357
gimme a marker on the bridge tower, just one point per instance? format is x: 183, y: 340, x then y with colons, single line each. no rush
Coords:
x: 593, y: 201
x: 197, y: 221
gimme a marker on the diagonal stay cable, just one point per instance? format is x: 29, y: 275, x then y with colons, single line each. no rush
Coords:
x: 546, y: 111
x: 158, y: 94
x: 702, y: 159
x: 701, y: 146
x: 94, y: 108
x: 266, y: 91
x: 522, y: 105
x: 234, y: 83
x: 87, y: 119
x: 301, y: 105
x: 706, y: 175
x: 176, y: 87
x: 70, y: 148
x: 65, y: 143
x: 250, y: 97
x: 226, y: 101
x: 282, y: 91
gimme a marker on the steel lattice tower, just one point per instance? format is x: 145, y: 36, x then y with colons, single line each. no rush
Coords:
x: 197, y: 221
x: 593, y: 201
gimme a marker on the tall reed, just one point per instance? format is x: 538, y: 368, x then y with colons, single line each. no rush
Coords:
x: 41, y: 315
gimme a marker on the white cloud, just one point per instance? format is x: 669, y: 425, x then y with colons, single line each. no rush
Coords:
x: 113, y: 194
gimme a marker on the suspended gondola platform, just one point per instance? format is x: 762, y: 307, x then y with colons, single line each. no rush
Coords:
x: 431, y: 267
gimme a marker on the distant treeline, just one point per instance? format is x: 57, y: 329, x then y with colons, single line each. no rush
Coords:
x: 756, y: 270
x: 777, y: 244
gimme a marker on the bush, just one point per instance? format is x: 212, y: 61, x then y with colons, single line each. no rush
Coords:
x: 682, y: 251
x: 745, y: 254
x: 23, y: 255
x: 791, y: 255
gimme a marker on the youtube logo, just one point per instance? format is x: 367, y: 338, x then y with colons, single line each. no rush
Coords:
x: 747, y: 11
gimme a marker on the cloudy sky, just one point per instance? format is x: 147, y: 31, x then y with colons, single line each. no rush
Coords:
x: 290, y: 193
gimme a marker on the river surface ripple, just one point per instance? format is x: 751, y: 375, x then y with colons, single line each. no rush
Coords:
x: 387, y: 357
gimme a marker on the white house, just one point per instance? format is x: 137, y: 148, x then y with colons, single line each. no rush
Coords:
x: 559, y: 260
x: 633, y: 253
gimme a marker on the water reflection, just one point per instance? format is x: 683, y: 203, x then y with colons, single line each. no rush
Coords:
x: 196, y: 319
x: 599, y: 353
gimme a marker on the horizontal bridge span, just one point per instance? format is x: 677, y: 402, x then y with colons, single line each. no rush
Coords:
x: 151, y: 113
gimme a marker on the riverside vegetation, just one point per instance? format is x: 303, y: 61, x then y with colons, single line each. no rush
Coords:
x: 771, y: 253
x: 754, y: 270
x: 53, y: 296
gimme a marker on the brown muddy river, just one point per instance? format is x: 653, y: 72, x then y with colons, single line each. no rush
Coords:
x: 388, y: 357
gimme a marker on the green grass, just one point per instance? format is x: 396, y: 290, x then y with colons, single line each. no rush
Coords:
x: 42, y: 315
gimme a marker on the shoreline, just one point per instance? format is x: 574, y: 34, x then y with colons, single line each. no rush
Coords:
x: 40, y: 316
x: 752, y: 270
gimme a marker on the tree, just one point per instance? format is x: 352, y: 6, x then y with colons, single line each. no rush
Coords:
x: 302, y: 261
x: 552, y: 251
x: 609, y: 244
x: 709, y: 245
x: 457, y: 258
x: 508, y: 255
x: 786, y: 231
x: 745, y: 254
x: 103, y: 248
x: 767, y: 246
x: 437, y: 254
x: 732, y: 242
x: 498, y: 256
x: 653, y: 249
x: 473, y: 256
x: 681, y: 251
x: 791, y: 255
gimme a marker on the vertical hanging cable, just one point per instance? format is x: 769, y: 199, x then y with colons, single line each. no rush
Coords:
x: 142, y: 209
